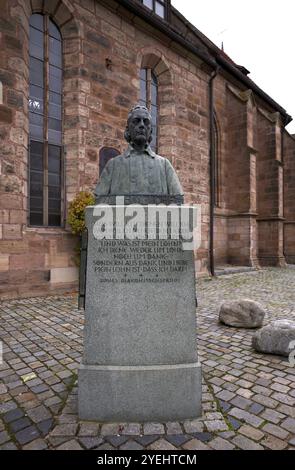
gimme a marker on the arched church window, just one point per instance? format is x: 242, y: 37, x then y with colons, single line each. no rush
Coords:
x: 149, y: 98
x: 45, y: 119
x: 106, y: 154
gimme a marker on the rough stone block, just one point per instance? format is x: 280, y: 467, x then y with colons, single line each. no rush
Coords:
x: 275, y: 338
x: 140, y: 359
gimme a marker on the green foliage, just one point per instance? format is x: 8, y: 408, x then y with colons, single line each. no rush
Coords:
x: 76, y: 215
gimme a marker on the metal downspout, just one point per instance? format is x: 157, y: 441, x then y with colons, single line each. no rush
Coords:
x: 212, y: 170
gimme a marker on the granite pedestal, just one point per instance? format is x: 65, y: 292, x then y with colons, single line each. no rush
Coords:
x: 140, y: 354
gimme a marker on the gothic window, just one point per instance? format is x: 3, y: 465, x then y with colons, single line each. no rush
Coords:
x: 157, y: 6
x: 45, y: 119
x: 149, y: 98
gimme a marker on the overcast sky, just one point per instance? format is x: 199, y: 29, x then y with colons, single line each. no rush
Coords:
x: 259, y: 34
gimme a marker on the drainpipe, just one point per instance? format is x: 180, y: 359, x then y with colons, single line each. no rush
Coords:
x: 212, y: 169
x: 284, y: 173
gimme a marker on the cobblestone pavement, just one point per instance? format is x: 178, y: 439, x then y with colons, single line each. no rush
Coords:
x: 248, y: 398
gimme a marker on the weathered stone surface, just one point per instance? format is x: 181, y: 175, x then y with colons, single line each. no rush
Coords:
x: 275, y: 338
x: 140, y: 359
x: 243, y: 313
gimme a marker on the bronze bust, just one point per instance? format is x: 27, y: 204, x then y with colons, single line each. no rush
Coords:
x: 139, y: 171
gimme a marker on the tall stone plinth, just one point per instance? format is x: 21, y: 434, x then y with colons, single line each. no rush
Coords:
x: 140, y: 354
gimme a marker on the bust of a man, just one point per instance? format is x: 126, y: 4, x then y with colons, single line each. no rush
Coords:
x: 139, y: 171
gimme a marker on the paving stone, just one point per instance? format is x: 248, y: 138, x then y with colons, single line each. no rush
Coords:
x: 244, y: 416
x: 88, y: 429
x: 241, y: 402
x: 105, y: 446
x: 221, y: 444
x: 4, y: 437
x: 195, y: 444
x: 272, y: 415
x: 33, y: 383
x: 13, y: 415
x: 193, y: 426
x: 64, y: 419
x: 19, y: 424
x: 45, y: 426
x: 7, y: 406
x: 245, y: 443
x: 38, y: 414
x: 146, y: 440
x: 283, y: 398
x: 54, y: 409
x: 173, y: 428
x: 60, y: 387
x: 214, y: 426
x: 227, y: 434
x: 131, y: 445
x: 18, y: 390
x: 275, y: 430
x: 38, y: 444
x: 203, y: 436
x: 8, y: 446
x: 64, y: 430
x: 266, y: 401
x: 131, y: 429
x: 64, y: 374
x: 280, y: 388
x: 273, y: 443
x: 262, y: 390
x: 70, y: 445
x: 52, y: 401
x: 225, y: 395
x: 90, y: 442
x: 225, y: 406
x: 213, y: 416
x: 25, y: 397
x: 178, y: 440
x: 289, y: 424
x: 57, y: 441
x: 287, y: 410
x: 161, y: 444
x: 209, y: 406
x: 3, y: 389
x: 39, y: 388
x: 153, y: 428
x: 250, y: 432
x: 110, y: 429
x: 255, y: 408
x: 29, y: 405
x: 262, y: 382
x: 244, y: 392
x: 27, y: 435
x: 117, y: 441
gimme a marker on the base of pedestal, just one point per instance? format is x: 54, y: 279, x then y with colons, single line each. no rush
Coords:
x: 158, y: 393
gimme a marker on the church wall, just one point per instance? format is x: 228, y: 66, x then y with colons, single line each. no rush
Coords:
x: 103, y: 52
x: 102, y: 55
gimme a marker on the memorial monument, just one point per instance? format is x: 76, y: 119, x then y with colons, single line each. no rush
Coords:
x: 140, y: 354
